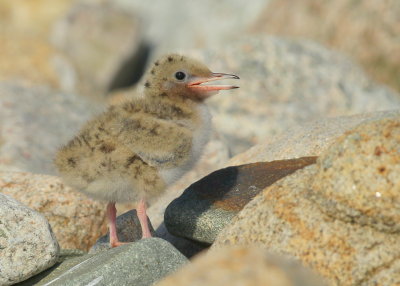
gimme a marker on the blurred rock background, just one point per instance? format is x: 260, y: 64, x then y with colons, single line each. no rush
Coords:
x: 305, y: 66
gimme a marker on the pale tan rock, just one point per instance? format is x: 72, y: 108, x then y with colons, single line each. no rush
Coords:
x: 340, y: 217
x: 26, y: 53
x: 367, y: 30
x: 237, y: 266
x: 76, y: 220
x: 358, y: 178
x: 310, y: 139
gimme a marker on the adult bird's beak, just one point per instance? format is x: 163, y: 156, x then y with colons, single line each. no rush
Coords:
x: 196, y: 83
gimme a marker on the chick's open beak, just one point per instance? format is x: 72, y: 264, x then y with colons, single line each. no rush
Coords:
x: 196, y: 83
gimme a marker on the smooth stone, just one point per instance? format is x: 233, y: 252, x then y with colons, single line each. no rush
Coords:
x: 141, y: 263
x: 250, y: 266
x: 76, y: 220
x: 27, y: 243
x: 187, y: 247
x: 310, y: 139
x: 359, y: 176
x: 128, y: 230
x: 209, y: 205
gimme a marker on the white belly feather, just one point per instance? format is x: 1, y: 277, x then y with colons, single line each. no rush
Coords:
x: 200, y: 139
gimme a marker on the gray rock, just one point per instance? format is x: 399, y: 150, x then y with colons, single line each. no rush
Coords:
x: 128, y: 230
x: 187, y: 247
x: 30, y: 133
x: 286, y: 83
x: 140, y: 263
x: 173, y: 24
x: 27, y: 243
x: 103, y: 48
x: 209, y: 205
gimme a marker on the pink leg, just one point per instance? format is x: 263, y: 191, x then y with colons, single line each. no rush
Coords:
x: 111, y: 216
x: 141, y: 213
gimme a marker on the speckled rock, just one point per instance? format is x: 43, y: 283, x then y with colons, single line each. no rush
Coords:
x: 348, y: 235
x: 30, y: 133
x: 76, y: 220
x: 238, y: 266
x: 128, y: 230
x: 140, y: 263
x: 310, y: 139
x: 104, y: 45
x: 209, y: 205
x: 27, y: 243
x: 286, y: 83
x: 358, y: 178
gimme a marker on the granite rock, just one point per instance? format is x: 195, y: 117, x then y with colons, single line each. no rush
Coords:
x: 140, y: 263
x: 76, y: 220
x: 27, y: 243
x: 128, y: 230
x: 348, y: 235
x: 236, y: 266
x: 209, y: 204
x: 309, y: 139
x: 30, y: 133
x: 358, y: 178
x: 286, y: 83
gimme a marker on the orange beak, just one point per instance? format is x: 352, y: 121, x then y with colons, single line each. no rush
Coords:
x: 196, y: 84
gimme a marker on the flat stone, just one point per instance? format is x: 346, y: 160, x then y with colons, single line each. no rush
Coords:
x: 141, y: 263
x: 359, y: 176
x: 76, y: 220
x: 309, y: 139
x: 27, y: 243
x: 128, y: 230
x: 208, y: 205
x: 250, y: 266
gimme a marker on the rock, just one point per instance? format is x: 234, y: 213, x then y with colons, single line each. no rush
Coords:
x: 215, y: 155
x: 104, y: 44
x: 250, y: 266
x: 310, y: 139
x: 286, y: 83
x: 194, y: 24
x: 76, y: 220
x: 67, y: 259
x: 27, y: 243
x: 128, y: 230
x: 30, y: 133
x: 358, y: 178
x: 328, y: 230
x: 140, y: 263
x: 185, y: 246
x: 209, y: 205
x: 363, y: 29
x: 27, y: 56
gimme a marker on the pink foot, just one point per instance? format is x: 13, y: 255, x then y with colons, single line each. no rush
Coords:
x: 141, y: 213
x: 111, y: 216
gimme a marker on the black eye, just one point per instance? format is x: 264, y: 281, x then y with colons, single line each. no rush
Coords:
x: 180, y: 75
